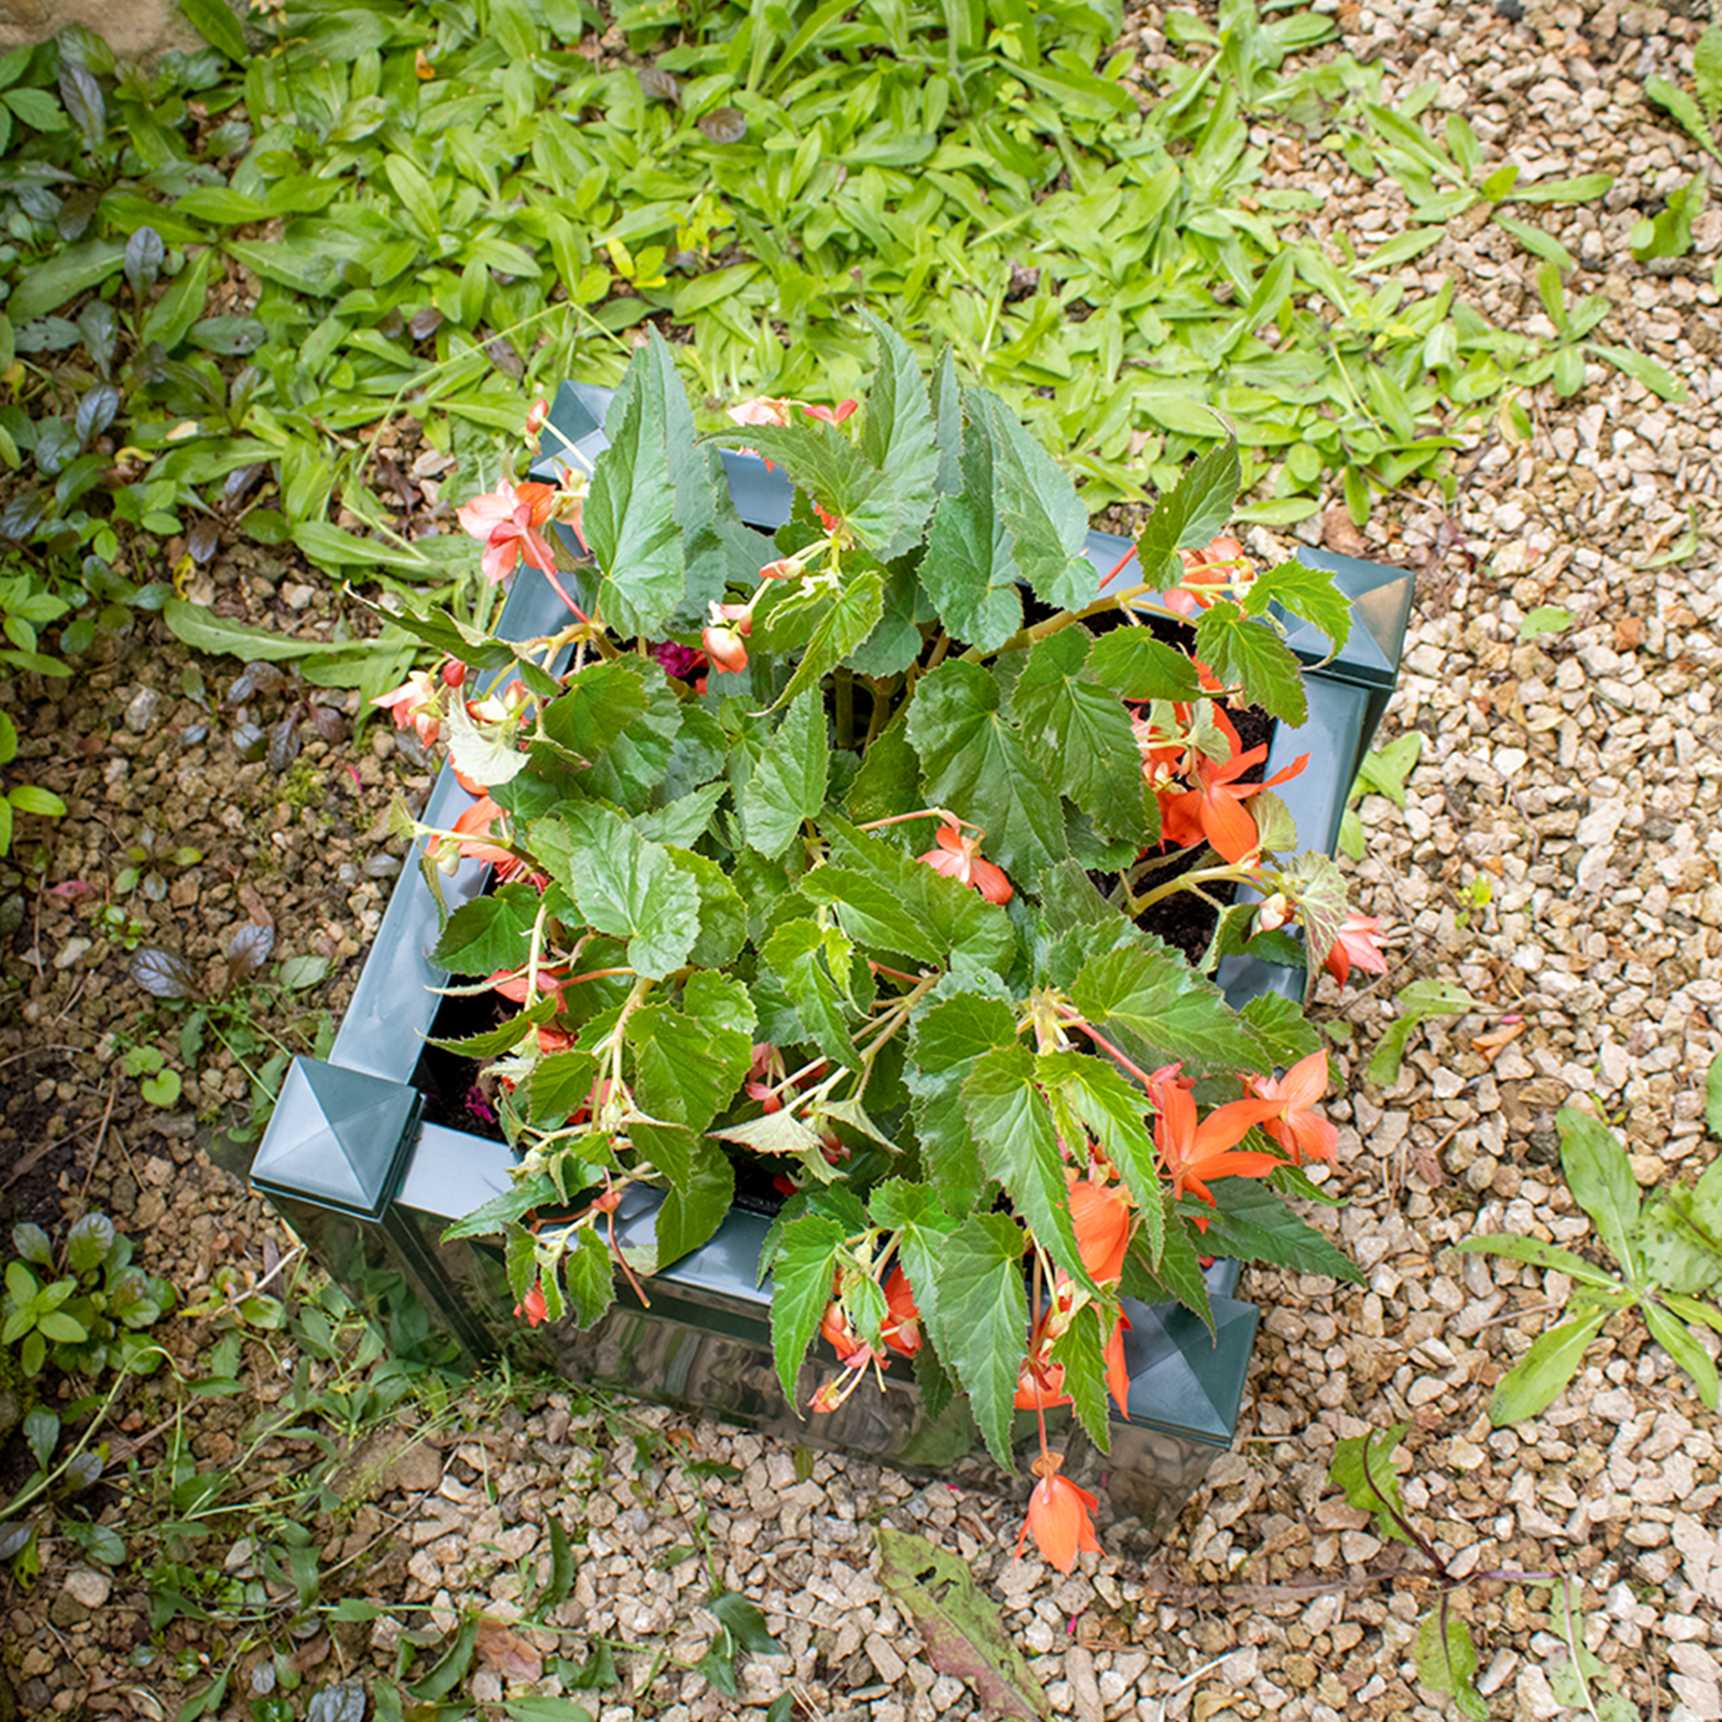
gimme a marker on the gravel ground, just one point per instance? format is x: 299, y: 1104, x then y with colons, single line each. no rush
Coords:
x: 1580, y: 773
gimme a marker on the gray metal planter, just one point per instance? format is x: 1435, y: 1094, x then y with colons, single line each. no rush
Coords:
x: 351, y: 1164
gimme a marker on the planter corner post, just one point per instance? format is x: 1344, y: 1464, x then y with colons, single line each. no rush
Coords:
x: 330, y: 1163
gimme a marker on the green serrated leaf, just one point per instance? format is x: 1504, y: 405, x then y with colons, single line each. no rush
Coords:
x: 1012, y: 1124
x: 689, y: 1061
x: 1113, y: 1111
x: 788, y: 781
x: 842, y: 626
x: 489, y: 933
x: 1037, y: 505
x: 979, y: 1321
x: 629, y: 520
x: 1251, y: 1223
x: 799, y: 954
x: 969, y: 570
x: 1309, y: 593
x: 1192, y: 514
x: 1251, y: 656
x: 802, y: 1274
x: 1165, y: 1008
x: 1137, y: 666
x: 1081, y: 1350
x: 974, y: 763
x: 625, y: 885
x: 1078, y: 732
x: 897, y: 437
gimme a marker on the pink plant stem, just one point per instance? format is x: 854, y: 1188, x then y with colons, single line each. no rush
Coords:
x: 1118, y: 567
x: 1125, y: 1063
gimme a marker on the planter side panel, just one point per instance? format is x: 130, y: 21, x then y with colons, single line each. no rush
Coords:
x: 704, y: 1345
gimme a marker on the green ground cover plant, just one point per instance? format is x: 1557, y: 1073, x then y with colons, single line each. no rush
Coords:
x: 225, y: 276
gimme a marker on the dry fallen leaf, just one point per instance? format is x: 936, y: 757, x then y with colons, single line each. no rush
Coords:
x: 1492, y: 1044
x: 506, y: 1653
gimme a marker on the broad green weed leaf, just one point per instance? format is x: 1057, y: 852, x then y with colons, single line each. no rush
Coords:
x: 1600, y: 1177
x: 1538, y: 1378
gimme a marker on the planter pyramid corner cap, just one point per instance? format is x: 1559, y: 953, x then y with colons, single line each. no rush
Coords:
x: 336, y: 1138
x: 1380, y: 611
x: 1182, y: 1376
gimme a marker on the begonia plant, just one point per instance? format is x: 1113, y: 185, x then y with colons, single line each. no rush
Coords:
x: 834, y: 866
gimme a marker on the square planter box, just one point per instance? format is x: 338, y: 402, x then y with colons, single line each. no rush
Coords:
x: 370, y: 1185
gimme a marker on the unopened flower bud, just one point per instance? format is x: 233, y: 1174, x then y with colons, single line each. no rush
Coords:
x: 784, y: 568
x: 723, y: 645
x: 539, y: 412
x: 454, y: 673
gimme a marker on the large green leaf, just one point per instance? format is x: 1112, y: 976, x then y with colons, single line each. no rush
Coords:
x: 1251, y: 655
x: 625, y: 885
x: 979, y: 1321
x: 590, y: 1279
x: 1191, y: 514
x: 629, y: 520
x: 693, y: 1210
x: 489, y: 933
x: 215, y: 23
x: 1161, y: 1003
x: 897, y: 437
x: 69, y: 271
x: 969, y: 569
x: 802, y: 1272
x: 946, y: 1038
x: 1137, y: 666
x: 959, y: 921
x: 872, y: 914
x: 823, y: 461
x: 788, y: 781
x: 1306, y: 592
x: 1081, y: 1349
x: 598, y: 703
x: 1012, y: 1125
x: 843, y: 624
x: 689, y: 1061
x: 723, y: 914
x: 1078, y: 732
x: 1038, y: 505
x: 1113, y: 1111
x: 974, y: 763
x: 633, y: 767
x: 800, y: 954
x: 1252, y: 1224
x: 1537, y: 1379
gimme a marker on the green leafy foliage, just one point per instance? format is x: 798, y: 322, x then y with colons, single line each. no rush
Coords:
x: 1362, y: 1466
x: 1669, y: 1249
x: 781, y: 916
